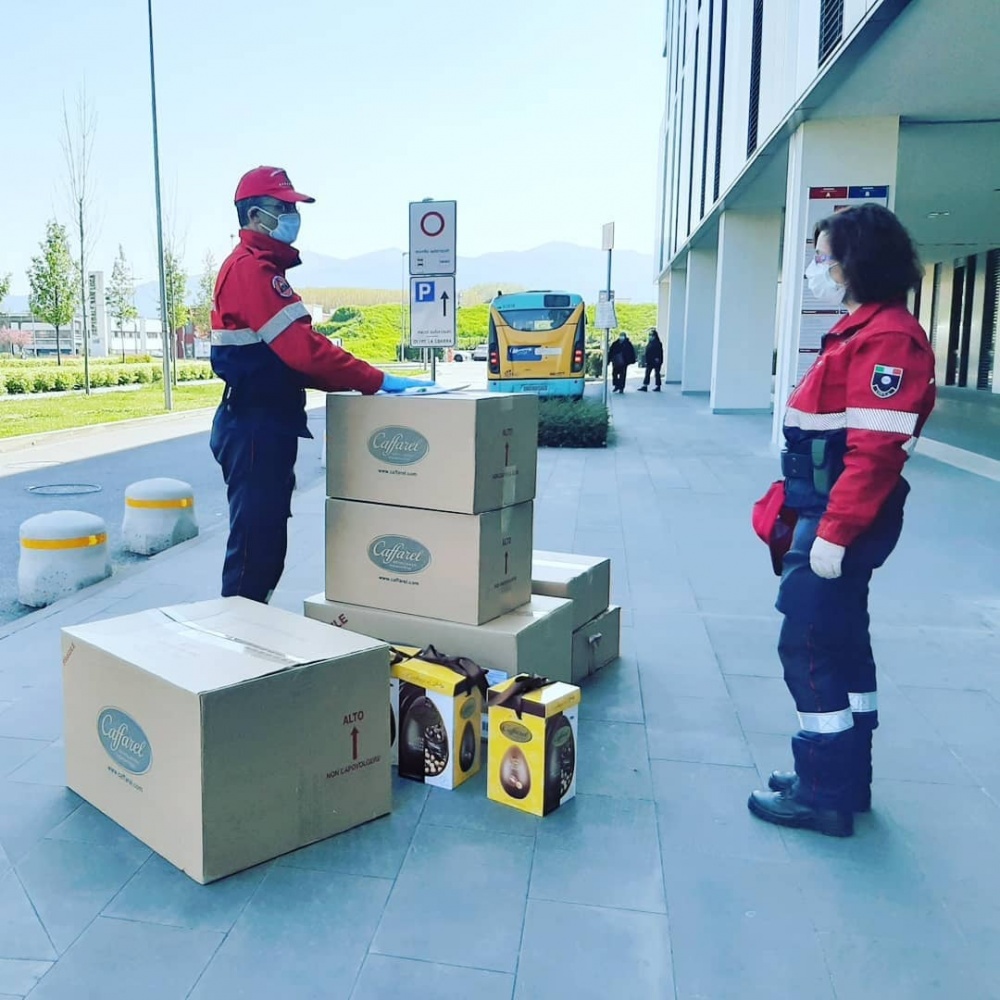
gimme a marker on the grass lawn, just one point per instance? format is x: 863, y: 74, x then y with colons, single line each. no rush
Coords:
x: 29, y: 415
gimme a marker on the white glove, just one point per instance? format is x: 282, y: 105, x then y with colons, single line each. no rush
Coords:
x: 825, y: 558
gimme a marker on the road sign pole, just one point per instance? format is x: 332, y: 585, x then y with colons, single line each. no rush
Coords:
x: 605, y: 365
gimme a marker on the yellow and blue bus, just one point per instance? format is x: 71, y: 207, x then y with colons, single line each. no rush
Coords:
x: 537, y: 343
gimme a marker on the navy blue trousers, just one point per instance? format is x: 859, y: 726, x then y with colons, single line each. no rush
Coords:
x: 258, y: 465
x: 825, y: 650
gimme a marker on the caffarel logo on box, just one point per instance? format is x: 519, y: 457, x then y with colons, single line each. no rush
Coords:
x: 399, y: 554
x: 124, y: 740
x: 398, y: 445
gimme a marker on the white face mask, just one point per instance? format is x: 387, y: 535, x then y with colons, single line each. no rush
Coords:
x: 822, y: 284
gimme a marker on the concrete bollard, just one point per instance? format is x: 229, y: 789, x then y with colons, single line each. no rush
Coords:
x: 61, y: 552
x: 159, y: 513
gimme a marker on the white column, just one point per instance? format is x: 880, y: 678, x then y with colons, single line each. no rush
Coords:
x: 699, y: 321
x: 834, y: 153
x: 673, y: 302
x: 746, y: 296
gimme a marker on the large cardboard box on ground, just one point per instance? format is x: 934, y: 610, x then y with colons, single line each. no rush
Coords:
x: 467, y: 568
x: 532, y: 757
x: 439, y: 706
x: 597, y: 643
x: 465, y: 452
x: 225, y: 733
x: 585, y: 580
x: 535, y: 638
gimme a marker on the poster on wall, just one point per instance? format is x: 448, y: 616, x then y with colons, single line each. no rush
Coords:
x: 816, y: 318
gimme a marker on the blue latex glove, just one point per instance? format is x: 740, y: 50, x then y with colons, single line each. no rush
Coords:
x: 396, y: 383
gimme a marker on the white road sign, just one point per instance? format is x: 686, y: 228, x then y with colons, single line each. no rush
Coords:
x: 432, y: 237
x: 605, y: 317
x: 432, y: 312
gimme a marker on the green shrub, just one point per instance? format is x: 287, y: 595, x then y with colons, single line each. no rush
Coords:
x: 62, y: 381
x: 594, y: 364
x: 44, y: 380
x: 564, y: 423
x: 16, y: 382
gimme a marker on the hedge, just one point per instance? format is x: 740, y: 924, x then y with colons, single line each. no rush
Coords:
x: 23, y: 378
x: 567, y: 423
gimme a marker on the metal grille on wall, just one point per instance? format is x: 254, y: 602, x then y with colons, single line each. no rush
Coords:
x: 991, y: 321
x: 831, y: 27
x: 756, y: 47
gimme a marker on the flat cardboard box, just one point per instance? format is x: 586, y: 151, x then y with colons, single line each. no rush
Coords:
x: 535, y: 638
x: 226, y: 733
x: 532, y: 756
x: 585, y: 580
x: 468, y: 568
x: 466, y: 452
x: 440, y: 711
x: 597, y: 643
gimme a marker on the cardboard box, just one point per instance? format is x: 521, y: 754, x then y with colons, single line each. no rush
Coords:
x: 465, y: 452
x: 585, y: 580
x: 440, y: 710
x: 597, y: 643
x: 536, y: 638
x: 468, y: 568
x: 225, y: 733
x: 532, y: 755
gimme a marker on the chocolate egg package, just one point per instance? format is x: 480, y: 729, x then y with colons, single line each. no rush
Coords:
x: 437, y: 703
x: 532, y: 749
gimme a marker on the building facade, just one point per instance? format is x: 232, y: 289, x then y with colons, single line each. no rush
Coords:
x: 777, y: 112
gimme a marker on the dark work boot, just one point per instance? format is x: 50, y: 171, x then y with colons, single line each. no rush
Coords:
x: 784, y: 781
x: 783, y: 809
x: 643, y: 388
x: 657, y: 389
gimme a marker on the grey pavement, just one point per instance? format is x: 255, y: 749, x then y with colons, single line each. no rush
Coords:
x: 655, y: 881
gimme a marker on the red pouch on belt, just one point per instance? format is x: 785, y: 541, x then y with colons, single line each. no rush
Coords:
x: 774, y: 524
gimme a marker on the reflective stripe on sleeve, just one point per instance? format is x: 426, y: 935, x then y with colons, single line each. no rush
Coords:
x: 826, y: 722
x: 234, y: 338
x: 815, y: 421
x: 865, y: 702
x: 888, y: 421
x: 281, y: 321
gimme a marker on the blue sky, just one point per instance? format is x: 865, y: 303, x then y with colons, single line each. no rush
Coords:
x: 539, y: 116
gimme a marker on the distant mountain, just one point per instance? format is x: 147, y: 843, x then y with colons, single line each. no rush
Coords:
x: 554, y: 265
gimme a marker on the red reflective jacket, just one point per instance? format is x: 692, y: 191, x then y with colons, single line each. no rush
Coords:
x: 873, y: 384
x: 263, y: 342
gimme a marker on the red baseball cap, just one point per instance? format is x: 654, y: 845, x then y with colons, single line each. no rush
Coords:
x: 272, y: 182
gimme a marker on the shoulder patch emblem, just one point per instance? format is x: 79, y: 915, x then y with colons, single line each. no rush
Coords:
x: 282, y: 287
x: 886, y: 381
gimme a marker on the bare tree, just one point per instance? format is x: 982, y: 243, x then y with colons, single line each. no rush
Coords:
x: 78, y: 148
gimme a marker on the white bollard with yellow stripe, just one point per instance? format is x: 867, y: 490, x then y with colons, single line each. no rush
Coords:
x: 61, y: 552
x: 159, y: 513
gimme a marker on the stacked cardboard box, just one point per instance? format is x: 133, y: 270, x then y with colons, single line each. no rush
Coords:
x: 586, y: 581
x: 429, y: 531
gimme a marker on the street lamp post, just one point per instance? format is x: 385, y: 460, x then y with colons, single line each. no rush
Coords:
x: 168, y: 402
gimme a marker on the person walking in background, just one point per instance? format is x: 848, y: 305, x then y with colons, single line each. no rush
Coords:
x: 849, y: 427
x: 621, y: 354
x: 653, y: 360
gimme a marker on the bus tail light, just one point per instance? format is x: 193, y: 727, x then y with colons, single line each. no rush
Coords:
x: 579, y: 344
x: 494, y: 349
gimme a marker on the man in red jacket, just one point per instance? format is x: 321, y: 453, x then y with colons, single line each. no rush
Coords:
x: 849, y: 428
x: 265, y: 349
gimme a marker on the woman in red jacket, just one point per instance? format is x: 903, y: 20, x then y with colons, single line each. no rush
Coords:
x: 850, y: 425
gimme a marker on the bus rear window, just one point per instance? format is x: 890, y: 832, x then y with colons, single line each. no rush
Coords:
x: 536, y: 320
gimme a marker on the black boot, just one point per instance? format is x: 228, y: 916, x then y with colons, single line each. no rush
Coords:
x: 784, y: 781
x: 784, y: 809
x: 657, y: 389
x: 643, y: 388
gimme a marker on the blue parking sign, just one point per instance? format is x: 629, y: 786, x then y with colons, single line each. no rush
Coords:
x: 424, y: 291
